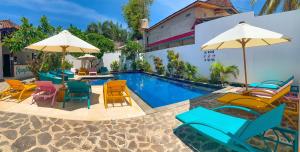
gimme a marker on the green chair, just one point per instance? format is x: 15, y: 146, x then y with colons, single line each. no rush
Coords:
x: 78, y: 90
x: 234, y: 132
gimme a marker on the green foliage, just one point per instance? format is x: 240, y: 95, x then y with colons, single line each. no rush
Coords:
x: 115, y: 66
x: 132, y: 49
x: 272, y: 6
x: 133, y: 12
x: 109, y: 29
x: 190, y: 71
x: 178, y: 68
x: 26, y: 35
x: 104, y: 44
x: 220, y: 73
x: 159, y: 66
x: 46, y: 28
x: 142, y: 65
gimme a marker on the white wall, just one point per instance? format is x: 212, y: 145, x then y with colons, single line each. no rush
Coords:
x: 267, y: 62
x: 76, y: 63
x: 108, y: 58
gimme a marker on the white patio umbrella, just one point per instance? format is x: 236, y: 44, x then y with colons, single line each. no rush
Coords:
x: 63, y: 42
x: 87, y: 57
x: 244, y: 35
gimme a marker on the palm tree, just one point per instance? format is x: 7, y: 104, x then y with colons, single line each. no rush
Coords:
x: 220, y: 73
x: 271, y: 6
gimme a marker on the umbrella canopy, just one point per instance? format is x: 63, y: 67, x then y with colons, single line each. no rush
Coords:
x: 87, y: 57
x: 63, y: 40
x: 244, y: 35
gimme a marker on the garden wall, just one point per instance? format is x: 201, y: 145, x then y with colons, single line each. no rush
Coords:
x: 108, y: 58
x: 267, y: 62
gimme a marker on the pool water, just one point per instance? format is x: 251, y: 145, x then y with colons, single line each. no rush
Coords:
x: 157, y: 92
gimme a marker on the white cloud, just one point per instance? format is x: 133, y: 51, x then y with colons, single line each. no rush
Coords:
x: 58, y: 7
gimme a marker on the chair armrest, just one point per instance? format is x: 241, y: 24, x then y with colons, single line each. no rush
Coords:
x: 271, y: 82
x: 239, y: 108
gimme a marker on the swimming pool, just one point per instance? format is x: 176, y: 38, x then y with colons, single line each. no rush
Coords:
x: 157, y: 92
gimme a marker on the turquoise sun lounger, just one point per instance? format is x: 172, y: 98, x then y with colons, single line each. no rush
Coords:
x: 78, y: 90
x: 271, y: 84
x: 234, y: 132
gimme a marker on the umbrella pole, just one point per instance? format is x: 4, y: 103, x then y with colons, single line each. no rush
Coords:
x: 245, y: 64
x: 63, y: 65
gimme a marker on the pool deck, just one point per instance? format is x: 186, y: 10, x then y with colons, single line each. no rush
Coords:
x: 80, y: 77
x: 145, y: 133
x: 74, y: 110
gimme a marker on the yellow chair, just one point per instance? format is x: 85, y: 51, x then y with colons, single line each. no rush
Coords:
x: 115, y: 90
x: 247, y: 99
x: 16, y: 88
x: 82, y: 71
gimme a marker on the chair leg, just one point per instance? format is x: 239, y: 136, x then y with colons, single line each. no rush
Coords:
x: 19, y: 99
x: 89, y: 103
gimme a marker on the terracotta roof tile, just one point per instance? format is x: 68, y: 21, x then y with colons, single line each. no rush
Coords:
x: 7, y: 24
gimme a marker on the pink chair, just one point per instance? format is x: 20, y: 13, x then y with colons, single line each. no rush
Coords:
x: 45, y: 90
x: 92, y: 71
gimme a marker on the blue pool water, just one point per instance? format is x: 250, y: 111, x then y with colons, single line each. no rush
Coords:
x: 158, y: 92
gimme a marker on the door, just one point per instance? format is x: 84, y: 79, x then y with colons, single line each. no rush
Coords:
x: 6, y: 65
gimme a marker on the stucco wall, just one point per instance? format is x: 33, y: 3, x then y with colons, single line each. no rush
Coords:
x: 108, y: 58
x: 267, y: 62
x: 175, y: 26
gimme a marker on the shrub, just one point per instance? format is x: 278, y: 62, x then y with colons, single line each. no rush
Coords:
x: 160, y: 68
x: 219, y: 73
x: 115, y: 66
x: 190, y: 71
x: 142, y: 65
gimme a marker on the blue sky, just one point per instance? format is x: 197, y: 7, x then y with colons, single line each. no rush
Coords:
x: 82, y: 12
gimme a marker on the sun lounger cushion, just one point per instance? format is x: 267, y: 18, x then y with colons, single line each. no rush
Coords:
x: 214, y: 119
x: 262, y: 85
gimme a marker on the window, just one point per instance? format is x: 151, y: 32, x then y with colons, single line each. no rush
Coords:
x: 187, y: 15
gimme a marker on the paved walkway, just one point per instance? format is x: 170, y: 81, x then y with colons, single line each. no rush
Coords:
x: 152, y: 132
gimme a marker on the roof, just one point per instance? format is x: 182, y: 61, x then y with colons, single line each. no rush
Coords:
x: 216, y: 4
x: 224, y: 3
x: 7, y: 24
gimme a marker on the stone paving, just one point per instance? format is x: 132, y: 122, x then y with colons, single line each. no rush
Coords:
x: 152, y: 132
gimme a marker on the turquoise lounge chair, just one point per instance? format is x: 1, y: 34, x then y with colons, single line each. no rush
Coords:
x: 271, y: 84
x: 50, y: 77
x: 77, y: 90
x: 69, y: 73
x: 103, y: 70
x: 234, y: 132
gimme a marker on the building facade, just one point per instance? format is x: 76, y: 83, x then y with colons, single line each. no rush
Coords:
x: 12, y: 65
x: 178, y: 28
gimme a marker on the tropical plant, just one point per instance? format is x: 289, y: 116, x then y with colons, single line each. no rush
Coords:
x: 134, y: 11
x: 142, y: 65
x: 132, y: 49
x: 173, y: 62
x: 115, y: 66
x: 26, y: 35
x: 109, y: 29
x: 271, y: 6
x: 220, y: 73
x: 104, y: 44
x: 159, y: 66
x: 190, y: 71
